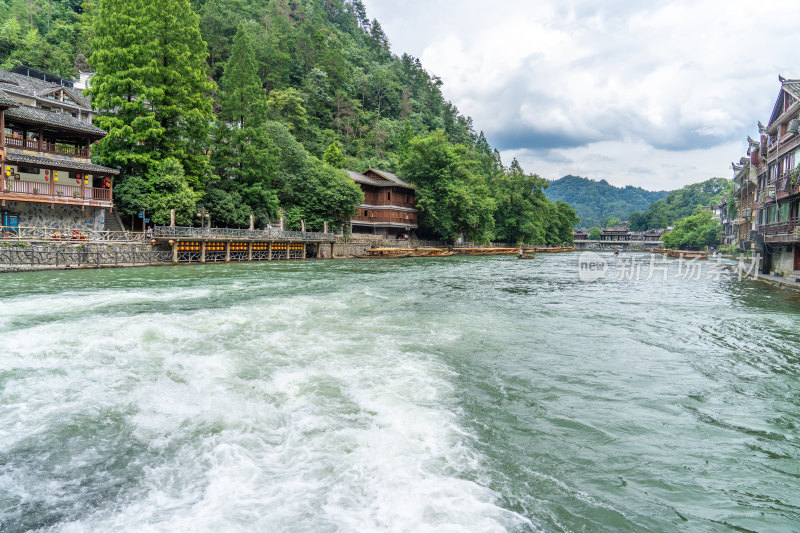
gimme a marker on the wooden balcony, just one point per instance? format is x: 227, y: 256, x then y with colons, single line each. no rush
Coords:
x: 35, y: 191
x: 784, y: 231
x: 47, y: 147
x: 371, y: 200
x: 398, y: 218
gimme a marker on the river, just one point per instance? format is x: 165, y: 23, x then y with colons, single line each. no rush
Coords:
x: 479, y: 394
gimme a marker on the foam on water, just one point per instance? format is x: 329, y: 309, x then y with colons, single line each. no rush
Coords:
x: 272, y: 414
x: 454, y: 394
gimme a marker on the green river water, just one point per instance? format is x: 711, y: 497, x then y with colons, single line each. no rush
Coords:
x: 478, y: 394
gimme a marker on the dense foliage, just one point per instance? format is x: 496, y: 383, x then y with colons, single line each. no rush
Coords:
x: 46, y: 34
x: 257, y: 106
x: 694, y: 232
x: 597, y: 201
x: 678, y: 204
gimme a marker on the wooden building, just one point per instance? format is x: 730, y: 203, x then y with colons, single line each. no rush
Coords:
x: 745, y: 180
x: 652, y: 235
x: 580, y: 234
x: 389, y: 207
x: 777, y: 201
x: 616, y: 233
x: 47, y: 178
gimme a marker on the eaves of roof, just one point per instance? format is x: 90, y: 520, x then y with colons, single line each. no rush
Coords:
x: 59, y: 163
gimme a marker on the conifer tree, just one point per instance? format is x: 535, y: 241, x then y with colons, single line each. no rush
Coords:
x: 151, y: 87
x: 243, y: 99
x: 244, y: 158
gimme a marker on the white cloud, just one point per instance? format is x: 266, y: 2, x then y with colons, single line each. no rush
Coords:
x: 680, y: 78
x: 632, y: 163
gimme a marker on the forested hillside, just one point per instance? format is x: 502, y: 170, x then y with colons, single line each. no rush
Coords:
x: 680, y: 204
x: 597, y: 201
x: 251, y: 107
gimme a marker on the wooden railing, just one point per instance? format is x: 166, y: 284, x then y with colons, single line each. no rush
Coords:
x: 369, y: 202
x: 410, y: 220
x: 48, y: 147
x: 30, y: 234
x: 773, y: 229
x: 59, y: 191
x: 25, y: 144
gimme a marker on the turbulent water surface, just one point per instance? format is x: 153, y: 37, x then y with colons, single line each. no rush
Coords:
x: 411, y: 395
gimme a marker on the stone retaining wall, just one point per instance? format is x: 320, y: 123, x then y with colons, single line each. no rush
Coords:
x: 41, y: 215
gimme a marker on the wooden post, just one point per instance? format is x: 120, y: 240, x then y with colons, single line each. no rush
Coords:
x: 41, y: 139
x: 171, y: 218
x: 325, y: 227
x: 227, y: 251
x: 2, y: 129
x: 252, y: 222
x: 303, y: 225
x: 269, y: 253
x: 331, y: 250
x: 281, y: 223
x: 203, y: 252
x: 83, y: 185
x: 319, y: 251
x: 249, y: 251
x: 175, y: 253
x: 304, y: 251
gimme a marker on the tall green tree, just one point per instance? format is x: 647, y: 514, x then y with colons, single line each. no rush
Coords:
x: 245, y: 158
x: 522, y: 207
x: 453, y: 201
x: 151, y: 87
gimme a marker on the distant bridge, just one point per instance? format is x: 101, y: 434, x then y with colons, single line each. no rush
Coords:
x: 625, y: 246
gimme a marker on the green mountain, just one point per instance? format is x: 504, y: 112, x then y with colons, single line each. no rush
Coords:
x: 679, y: 204
x: 597, y: 201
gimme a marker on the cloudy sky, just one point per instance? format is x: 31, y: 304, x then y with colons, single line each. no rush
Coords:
x: 653, y: 93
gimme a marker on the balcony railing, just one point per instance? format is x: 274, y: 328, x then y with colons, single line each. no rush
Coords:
x: 55, y: 191
x: 410, y: 220
x: 47, y: 147
x: 774, y: 229
x: 387, y: 203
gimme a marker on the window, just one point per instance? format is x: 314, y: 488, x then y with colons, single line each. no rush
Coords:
x: 28, y: 170
x: 389, y: 195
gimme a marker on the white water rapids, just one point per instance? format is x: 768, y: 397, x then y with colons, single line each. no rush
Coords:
x: 230, y: 405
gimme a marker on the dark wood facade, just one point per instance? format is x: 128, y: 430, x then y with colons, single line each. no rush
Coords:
x: 389, y: 207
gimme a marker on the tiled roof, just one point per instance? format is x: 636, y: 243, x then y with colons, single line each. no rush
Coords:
x: 792, y: 87
x: 48, y: 118
x: 19, y: 83
x: 59, y: 163
x: 6, y: 100
x: 391, y: 177
x: 366, y: 180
